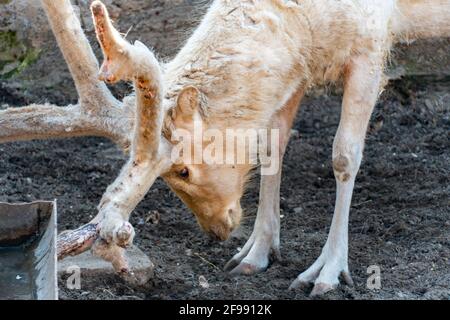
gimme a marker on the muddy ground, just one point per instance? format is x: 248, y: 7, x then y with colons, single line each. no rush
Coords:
x: 400, y: 217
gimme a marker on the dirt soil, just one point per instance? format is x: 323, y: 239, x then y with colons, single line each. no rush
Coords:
x: 400, y: 217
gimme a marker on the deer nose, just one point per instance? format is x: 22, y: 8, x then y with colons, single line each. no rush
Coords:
x: 217, y: 237
x: 220, y: 232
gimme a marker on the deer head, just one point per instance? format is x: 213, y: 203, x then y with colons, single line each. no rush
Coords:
x: 211, y: 189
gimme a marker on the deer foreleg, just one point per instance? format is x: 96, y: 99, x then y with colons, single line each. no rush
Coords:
x: 254, y: 256
x: 362, y: 86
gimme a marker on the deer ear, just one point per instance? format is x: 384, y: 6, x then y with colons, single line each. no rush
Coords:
x: 189, y: 102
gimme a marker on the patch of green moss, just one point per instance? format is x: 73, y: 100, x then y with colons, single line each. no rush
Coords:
x: 5, y: 1
x: 15, y: 55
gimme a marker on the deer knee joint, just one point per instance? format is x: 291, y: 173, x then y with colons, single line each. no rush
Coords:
x: 341, y: 168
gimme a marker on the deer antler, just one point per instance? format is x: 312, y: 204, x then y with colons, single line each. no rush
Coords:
x: 97, y: 113
x: 148, y: 155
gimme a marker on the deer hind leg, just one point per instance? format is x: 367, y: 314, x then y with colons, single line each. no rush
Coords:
x: 362, y: 87
x: 124, y: 61
x: 254, y: 256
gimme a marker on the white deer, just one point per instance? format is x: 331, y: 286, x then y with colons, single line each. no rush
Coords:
x: 247, y: 65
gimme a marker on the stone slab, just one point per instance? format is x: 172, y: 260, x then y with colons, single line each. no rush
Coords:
x: 92, y: 266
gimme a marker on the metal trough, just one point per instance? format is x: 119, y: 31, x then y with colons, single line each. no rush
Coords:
x: 28, y: 251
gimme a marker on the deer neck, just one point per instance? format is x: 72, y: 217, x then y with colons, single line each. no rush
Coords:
x: 247, y: 58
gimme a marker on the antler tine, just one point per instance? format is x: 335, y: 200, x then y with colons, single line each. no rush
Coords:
x: 124, y: 61
x: 79, y: 55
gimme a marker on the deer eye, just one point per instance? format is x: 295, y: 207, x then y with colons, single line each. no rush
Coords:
x: 184, y: 173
